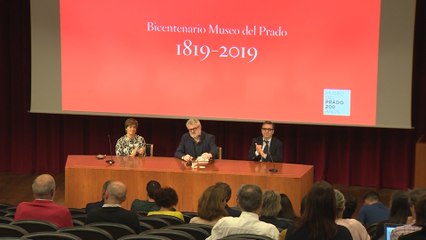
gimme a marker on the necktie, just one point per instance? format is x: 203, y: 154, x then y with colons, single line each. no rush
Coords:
x: 266, y: 148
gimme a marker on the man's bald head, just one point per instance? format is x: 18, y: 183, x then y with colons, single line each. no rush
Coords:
x: 44, y: 187
x: 115, y: 193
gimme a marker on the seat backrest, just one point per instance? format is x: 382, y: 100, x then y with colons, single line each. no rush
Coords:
x: 32, y: 226
x: 82, y: 217
x: 195, y: 231
x: 77, y: 223
x: 172, y: 234
x: 246, y: 237
x: 4, y: 219
x: 170, y: 219
x: 145, y: 226
x: 155, y: 222
x: 50, y: 236
x: 117, y: 230
x: 8, y: 230
x: 77, y: 211
x: 188, y: 215
x: 149, y: 149
x: 206, y: 227
x: 88, y: 233
x: 144, y: 237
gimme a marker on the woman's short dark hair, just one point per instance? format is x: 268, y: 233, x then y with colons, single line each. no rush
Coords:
x: 166, y: 197
x: 131, y: 122
x: 287, y: 210
x: 211, y: 204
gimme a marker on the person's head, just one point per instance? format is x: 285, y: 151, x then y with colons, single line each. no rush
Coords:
x: 271, y: 204
x: 151, y: 187
x: 166, y: 197
x: 371, y: 197
x: 249, y: 198
x: 350, y: 207
x: 413, y: 197
x: 320, y: 212
x: 227, y: 189
x: 399, y: 207
x: 211, y: 204
x: 267, y: 129
x: 194, y: 127
x: 104, y: 187
x: 287, y: 210
x: 44, y: 187
x: 115, y: 193
x: 420, y: 208
x: 131, y: 126
x: 340, y: 202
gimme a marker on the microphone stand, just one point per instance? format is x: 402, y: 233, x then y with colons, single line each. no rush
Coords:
x: 273, y: 169
x: 110, y: 161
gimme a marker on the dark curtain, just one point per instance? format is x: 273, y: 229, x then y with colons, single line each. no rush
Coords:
x: 382, y: 158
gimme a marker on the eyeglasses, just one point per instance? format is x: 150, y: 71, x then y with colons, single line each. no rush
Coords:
x: 193, y: 129
x: 268, y: 129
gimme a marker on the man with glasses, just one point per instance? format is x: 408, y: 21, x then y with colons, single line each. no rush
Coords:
x: 196, y: 143
x: 266, y: 148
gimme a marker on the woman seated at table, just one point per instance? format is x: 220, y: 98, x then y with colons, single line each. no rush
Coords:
x: 211, y: 206
x: 166, y: 198
x: 130, y: 144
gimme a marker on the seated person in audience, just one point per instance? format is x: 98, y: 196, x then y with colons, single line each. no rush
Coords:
x: 112, y: 211
x: 149, y: 204
x: 373, y: 211
x: 420, y: 209
x: 166, y: 198
x: 271, y: 206
x: 287, y: 210
x: 319, y: 216
x: 130, y: 144
x: 196, y: 143
x: 266, y: 148
x: 399, y: 212
x: 411, y: 226
x: 231, y: 211
x: 350, y: 207
x: 211, y: 206
x: 249, y: 198
x: 356, y: 228
x: 43, y: 207
x: 98, y: 205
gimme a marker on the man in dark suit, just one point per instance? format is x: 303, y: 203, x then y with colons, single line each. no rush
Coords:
x: 266, y: 148
x: 196, y: 143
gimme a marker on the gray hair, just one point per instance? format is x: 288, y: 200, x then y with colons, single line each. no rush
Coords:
x: 117, y: 191
x: 250, y: 197
x: 340, y: 200
x: 44, y: 186
x: 193, y: 121
x: 271, y: 205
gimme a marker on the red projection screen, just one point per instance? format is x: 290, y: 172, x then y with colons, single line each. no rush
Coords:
x: 306, y: 61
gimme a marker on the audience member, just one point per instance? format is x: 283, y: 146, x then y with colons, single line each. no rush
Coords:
x: 356, y: 228
x: 211, y: 206
x: 98, y: 205
x: 350, y: 207
x: 166, y: 199
x: 318, y: 221
x: 233, y: 212
x: 287, y: 210
x: 249, y: 198
x: 271, y: 206
x: 420, y: 209
x: 373, y: 211
x: 43, y: 207
x: 112, y: 211
x: 149, y: 204
x: 411, y: 226
x: 266, y: 147
x: 130, y: 144
x: 196, y: 143
x: 399, y: 212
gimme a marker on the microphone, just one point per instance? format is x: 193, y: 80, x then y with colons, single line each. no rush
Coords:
x: 110, y: 161
x: 273, y: 169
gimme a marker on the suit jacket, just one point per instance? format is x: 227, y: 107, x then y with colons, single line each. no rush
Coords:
x: 188, y: 146
x: 94, y: 206
x: 115, y: 215
x: 275, y: 149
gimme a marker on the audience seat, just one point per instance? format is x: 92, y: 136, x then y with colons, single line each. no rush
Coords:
x: 155, y: 222
x: 206, y: 227
x: 246, y: 237
x: 144, y: 237
x: 32, y: 226
x: 77, y: 223
x: 145, y: 226
x: 50, y: 236
x: 188, y: 215
x: 172, y: 234
x: 6, y: 220
x: 195, y: 231
x: 170, y: 219
x: 117, y: 230
x: 88, y: 233
x: 8, y: 230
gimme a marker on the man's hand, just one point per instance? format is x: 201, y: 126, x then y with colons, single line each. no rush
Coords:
x: 187, y: 158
